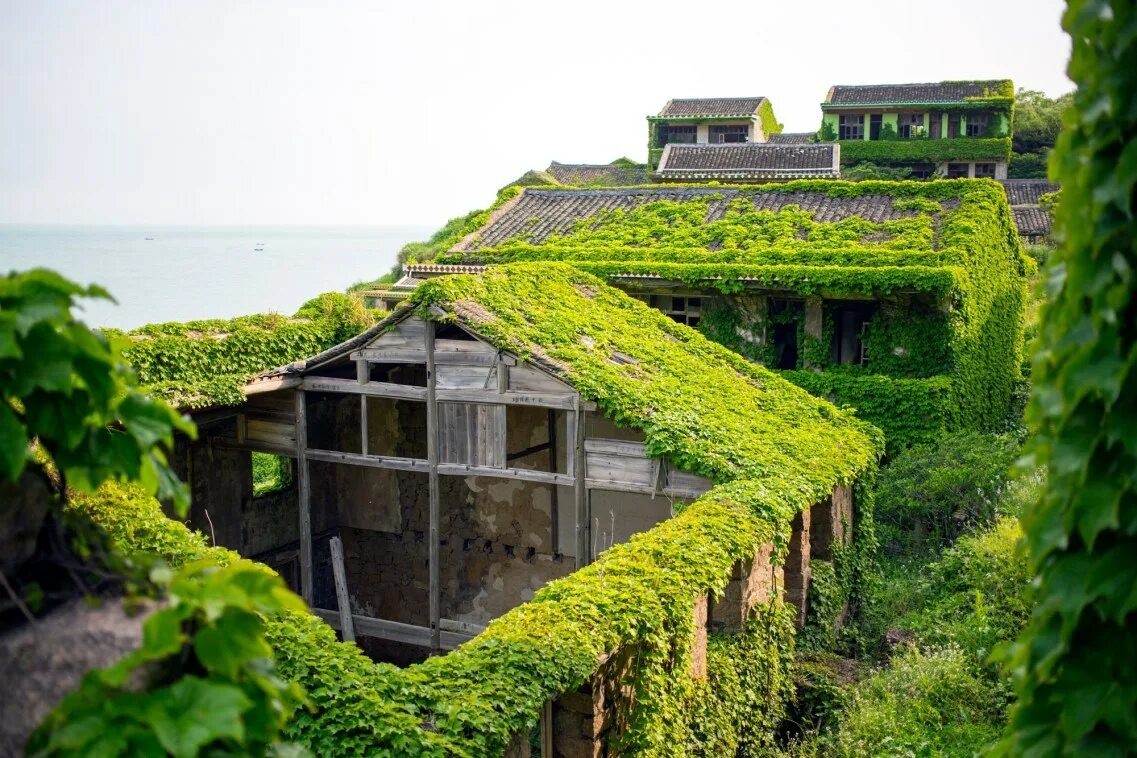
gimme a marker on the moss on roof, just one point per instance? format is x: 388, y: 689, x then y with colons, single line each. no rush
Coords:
x: 204, y: 364
x: 843, y: 236
x: 701, y: 405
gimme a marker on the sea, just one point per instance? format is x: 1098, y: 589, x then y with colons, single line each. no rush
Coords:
x: 181, y: 273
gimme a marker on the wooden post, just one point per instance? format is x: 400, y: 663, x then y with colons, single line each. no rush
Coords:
x: 432, y: 444
x: 346, y: 626
x: 554, y: 500
x: 580, y: 494
x: 304, y: 490
x: 363, y: 374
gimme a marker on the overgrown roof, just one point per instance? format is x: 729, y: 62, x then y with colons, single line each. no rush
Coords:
x: 792, y: 138
x: 927, y: 93
x: 750, y: 160
x: 1027, y: 191
x: 602, y: 173
x: 713, y: 107
x: 810, y: 236
x: 644, y: 370
x: 195, y: 365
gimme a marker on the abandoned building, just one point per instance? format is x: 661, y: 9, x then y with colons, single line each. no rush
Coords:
x: 749, y: 163
x: 709, y: 121
x: 938, y: 129
x: 439, y: 477
x: 620, y: 173
x: 904, y: 299
x: 1031, y: 218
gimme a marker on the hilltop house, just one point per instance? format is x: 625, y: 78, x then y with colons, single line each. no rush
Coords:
x: 943, y: 129
x: 904, y: 299
x: 727, y: 139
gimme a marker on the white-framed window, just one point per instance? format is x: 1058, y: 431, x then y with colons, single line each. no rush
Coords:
x: 985, y: 170
x: 684, y: 309
x: 724, y: 133
x: 909, y: 125
x: 977, y: 124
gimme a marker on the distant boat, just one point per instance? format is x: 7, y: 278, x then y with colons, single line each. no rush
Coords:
x: 149, y: 238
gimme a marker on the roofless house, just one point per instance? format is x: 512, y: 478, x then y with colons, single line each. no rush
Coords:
x: 459, y: 455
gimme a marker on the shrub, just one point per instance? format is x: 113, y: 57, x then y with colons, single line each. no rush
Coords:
x: 929, y: 702
x: 931, y: 494
x: 977, y: 594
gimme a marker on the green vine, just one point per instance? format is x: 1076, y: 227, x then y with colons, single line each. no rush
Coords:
x: 1075, y: 666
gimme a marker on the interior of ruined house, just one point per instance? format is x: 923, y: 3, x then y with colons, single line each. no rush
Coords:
x: 514, y: 510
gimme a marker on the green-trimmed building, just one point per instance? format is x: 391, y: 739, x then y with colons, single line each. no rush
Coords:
x: 954, y: 129
x: 903, y: 299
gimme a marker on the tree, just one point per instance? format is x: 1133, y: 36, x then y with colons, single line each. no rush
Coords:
x: 1075, y: 666
x: 1038, y: 120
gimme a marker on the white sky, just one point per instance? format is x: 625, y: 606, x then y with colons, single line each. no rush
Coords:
x: 282, y: 112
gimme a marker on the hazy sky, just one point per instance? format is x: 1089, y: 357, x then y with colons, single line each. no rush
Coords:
x: 403, y: 113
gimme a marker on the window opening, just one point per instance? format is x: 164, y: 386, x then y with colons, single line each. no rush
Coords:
x: 852, y: 126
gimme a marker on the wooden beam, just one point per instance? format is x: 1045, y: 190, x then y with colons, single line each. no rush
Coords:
x: 271, y: 385
x: 372, y: 461
x: 363, y: 376
x: 544, y: 477
x: 228, y: 443
x: 374, y: 389
x: 432, y: 459
x: 395, y: 631
x: 554, y: 500
x: 473, y: 357
x: 304, y: 490
x: 342, y: 599
x: 580, y: 490
x: 493, y: 397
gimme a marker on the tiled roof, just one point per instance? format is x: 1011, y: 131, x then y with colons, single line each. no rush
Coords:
x: 1027, y: 191
x: 791, y: 138
x: 588, y: 173
x: 749, y: 160
x: 1031, y: 220
x: 711, y: 106
x: 538, y: 214
x: 930, y: 92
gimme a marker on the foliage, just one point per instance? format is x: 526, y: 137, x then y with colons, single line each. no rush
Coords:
x: 930, y: 494
x: 736, y: 709
x: 270, y: 473
x: 1027, y: 166
x: 976, y: 595
x: 774, y: 451
x: 1075, y: 666
x: 198, y: 364
x: 928, y: 702
x: 208, y: 685
x: 868, y: 170
x: 958, y: 251
x: 67, y: 389
x: 1038, y: 120
x: 925, y: 150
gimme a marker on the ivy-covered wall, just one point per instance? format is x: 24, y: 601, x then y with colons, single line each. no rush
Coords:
x: 944, y: 341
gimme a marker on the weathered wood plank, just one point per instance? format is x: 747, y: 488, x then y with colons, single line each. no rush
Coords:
x: 342, y: 599
x: 620, y: 468
x: 615, y: 447
x: 580, y: 489
x: 525, y: 378
x: 544, y: 477
x: 373, y: 461
x: 432, y: 458
x: 493, y: 397
x: 374, y: 389
x: 395, y: 631
x: 304, y: 493
x: 227, y: 443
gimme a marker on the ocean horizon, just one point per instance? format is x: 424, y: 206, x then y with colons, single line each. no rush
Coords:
x: 180, y: 273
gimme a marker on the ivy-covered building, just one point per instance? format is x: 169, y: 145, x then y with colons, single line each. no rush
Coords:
x: 954, y: 129
x: 713, y: 121
x: 903, y: 299
x: 484, y: 453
